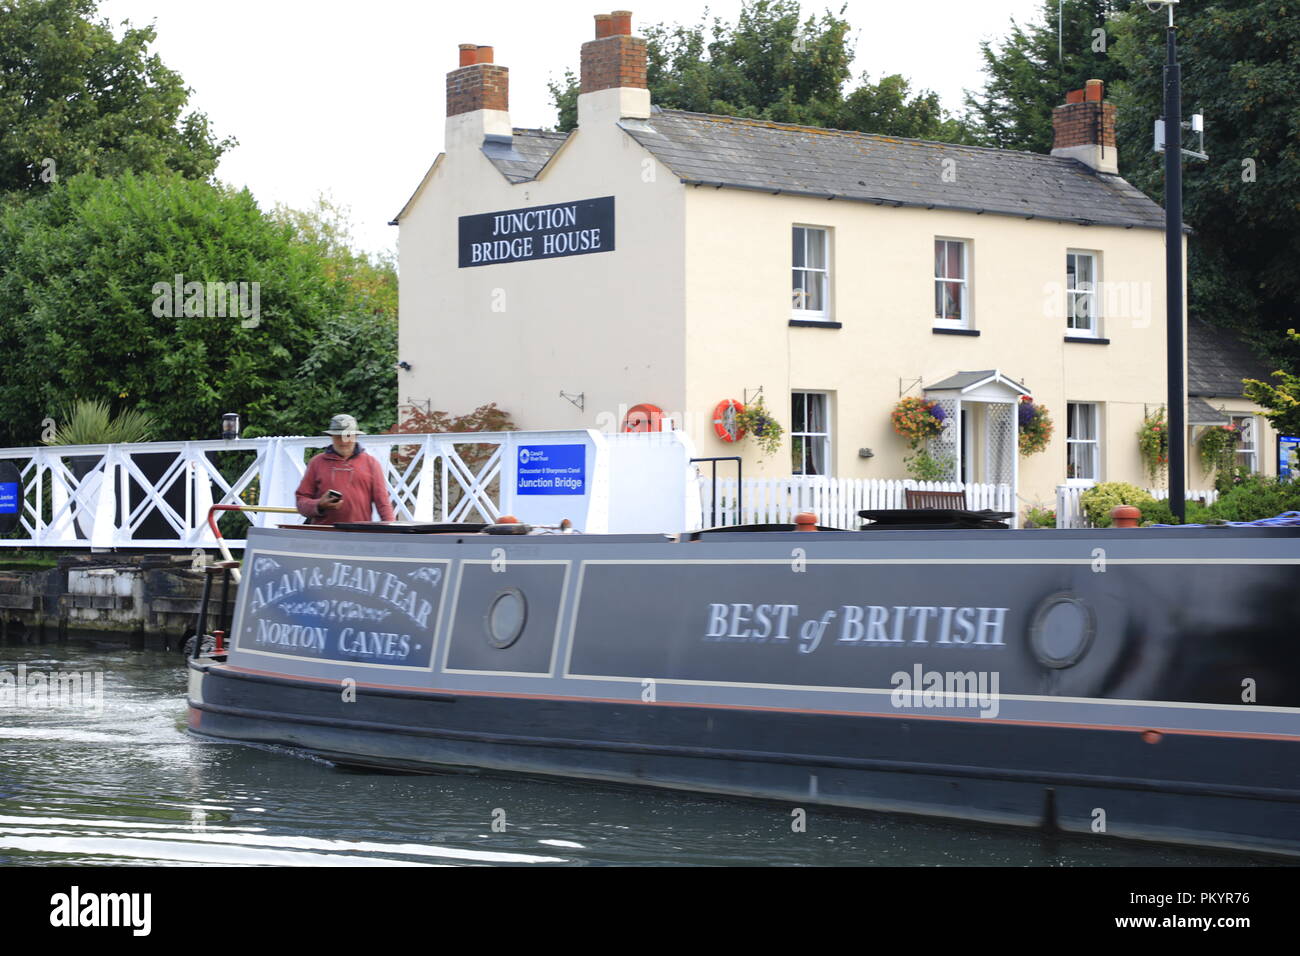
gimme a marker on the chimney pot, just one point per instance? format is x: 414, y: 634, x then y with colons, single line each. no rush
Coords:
x: 479, y: 84
x: 1084, y: 128
x: 615, y: 59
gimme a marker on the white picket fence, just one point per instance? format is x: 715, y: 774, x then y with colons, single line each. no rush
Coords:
x: 835, y: 501
x: 1069, y: 512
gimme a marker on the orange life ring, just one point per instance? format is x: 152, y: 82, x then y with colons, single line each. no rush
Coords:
x: 644, y: 418
x: 724, y: 420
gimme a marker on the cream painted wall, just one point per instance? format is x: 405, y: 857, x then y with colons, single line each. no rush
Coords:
x: 606, y: 324
x: 738, y: 279
x: 693, y: 308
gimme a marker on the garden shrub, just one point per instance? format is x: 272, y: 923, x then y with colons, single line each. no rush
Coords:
x: 1100, y: 499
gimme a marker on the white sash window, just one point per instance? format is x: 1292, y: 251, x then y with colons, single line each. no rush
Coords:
x: 1082, y: 443
x: 951, y: 284
x: 810, y: 433
x: 1081, y: 315
x: 811, y: 258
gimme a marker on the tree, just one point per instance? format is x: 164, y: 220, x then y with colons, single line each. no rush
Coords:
x: 1034, y: 66
x: 1282, y: 398
x: 74, y: 98
x: 327, y: 226
x: 88, y: 311
x: 769, y: 65
x: 1241, y: 68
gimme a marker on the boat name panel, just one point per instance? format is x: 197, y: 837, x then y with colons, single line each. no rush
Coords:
x: 374, y: 611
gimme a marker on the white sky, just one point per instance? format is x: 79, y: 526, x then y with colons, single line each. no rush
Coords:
x: 347, y: 97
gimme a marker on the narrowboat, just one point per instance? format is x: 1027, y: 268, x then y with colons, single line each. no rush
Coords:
x: 1140, y: 684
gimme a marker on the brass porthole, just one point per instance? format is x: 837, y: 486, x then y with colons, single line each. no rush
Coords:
x: 505, y: 617
x: 1061, y: 630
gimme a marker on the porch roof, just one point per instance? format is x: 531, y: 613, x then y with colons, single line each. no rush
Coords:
x: 1201, y: 412
x: 964, y: 382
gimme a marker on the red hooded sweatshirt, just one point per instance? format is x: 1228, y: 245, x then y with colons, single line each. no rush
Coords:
x: 359, y: 479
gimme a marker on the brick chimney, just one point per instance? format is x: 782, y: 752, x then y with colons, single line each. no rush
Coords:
x: 613, y: 72
x: 478, y: 99
x: 1084, y: 129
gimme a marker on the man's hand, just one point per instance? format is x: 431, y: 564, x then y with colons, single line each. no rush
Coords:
x: 328, y: 504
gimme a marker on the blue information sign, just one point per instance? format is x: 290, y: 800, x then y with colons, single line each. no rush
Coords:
x: 1288, y: 456
x: 552, y: 470
x: 11, y: 496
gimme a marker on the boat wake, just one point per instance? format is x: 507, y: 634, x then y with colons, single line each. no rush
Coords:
x: 87, y: 841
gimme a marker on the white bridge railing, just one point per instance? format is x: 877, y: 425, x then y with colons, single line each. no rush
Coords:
x: 1069, y: 511
x: 835, y: 501
x: 157, y: 494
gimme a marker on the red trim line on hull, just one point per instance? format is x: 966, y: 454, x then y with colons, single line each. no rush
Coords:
x: 446, y: 692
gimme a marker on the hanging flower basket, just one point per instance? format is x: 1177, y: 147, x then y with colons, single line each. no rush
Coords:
x: 1153, y: 444
x: 755, y: 420
x: 1218, y: 448
x: 1035, y: 426
x: 917, y: 419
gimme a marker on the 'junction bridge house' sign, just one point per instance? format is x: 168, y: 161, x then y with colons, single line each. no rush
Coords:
x: 538, y: 232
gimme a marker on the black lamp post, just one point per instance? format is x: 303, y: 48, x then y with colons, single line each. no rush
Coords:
x: 1173, y: 143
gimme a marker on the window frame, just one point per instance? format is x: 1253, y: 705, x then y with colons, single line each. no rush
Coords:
x: 1251, y: 450
x: 825, y: 437
x: 966, y: 297
x: 1094, y: 331
x: 1095, y: 441
x: 799, y: 312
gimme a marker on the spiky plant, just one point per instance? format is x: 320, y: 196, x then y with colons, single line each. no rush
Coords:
x: 88, y: 422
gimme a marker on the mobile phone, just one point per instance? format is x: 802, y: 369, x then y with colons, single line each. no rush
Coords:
x: 333, y: 495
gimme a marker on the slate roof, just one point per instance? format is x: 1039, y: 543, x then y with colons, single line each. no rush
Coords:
x: 802, y: 160
x: 1201, y: 412
x: 964, y: 380
x: 707, y: 150
x: 1217, y: 361
x: 526, y: 155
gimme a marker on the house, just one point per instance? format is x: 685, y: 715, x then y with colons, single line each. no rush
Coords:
x: 1217, y: 361
x: 654, y: 265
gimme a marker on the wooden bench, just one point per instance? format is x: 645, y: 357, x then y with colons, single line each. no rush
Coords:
x: 955, y: 500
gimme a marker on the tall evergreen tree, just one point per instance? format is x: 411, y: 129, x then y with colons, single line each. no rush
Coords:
x: 1032, y: 68
x: 1241, y: 70
x: 773, y: 65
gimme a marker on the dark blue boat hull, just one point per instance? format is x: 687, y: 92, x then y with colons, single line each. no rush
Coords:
x: 1126, y: 783
x: 1140, y: 684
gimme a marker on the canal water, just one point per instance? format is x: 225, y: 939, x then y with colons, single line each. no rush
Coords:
x: 124, y: 784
